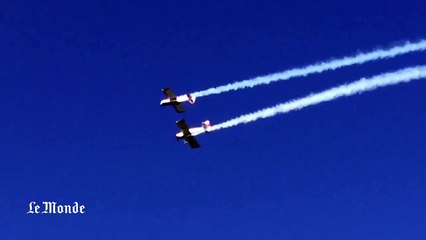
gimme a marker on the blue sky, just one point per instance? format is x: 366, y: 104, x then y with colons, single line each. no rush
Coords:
x: 80, y: 121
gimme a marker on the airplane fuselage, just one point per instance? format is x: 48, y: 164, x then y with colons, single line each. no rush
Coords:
x: 193, y: 132
x: 168, y: 102
x: 175, y: 101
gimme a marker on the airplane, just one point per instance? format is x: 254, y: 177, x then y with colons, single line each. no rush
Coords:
x: 176, y: 101
x: 188, y: 134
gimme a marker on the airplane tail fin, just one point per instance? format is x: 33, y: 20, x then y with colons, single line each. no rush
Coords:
x: 206, y: 125
x: 191, y: 98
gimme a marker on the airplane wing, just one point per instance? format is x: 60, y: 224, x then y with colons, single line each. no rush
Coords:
x: 179, y: 108
x: 176, y: 105
x: 169, y: 93
x: 192, y: 142
x: 187, y: 134
x: 182, y: 125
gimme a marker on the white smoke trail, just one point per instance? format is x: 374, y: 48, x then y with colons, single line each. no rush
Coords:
x: 316, y: 68
x: 405, y: 75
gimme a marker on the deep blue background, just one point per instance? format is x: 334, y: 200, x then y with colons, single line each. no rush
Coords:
x: 79, y: 121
